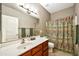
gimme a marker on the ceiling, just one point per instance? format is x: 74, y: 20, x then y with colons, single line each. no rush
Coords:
x: 54, y: 7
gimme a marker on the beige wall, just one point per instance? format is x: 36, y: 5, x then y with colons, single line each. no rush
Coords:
x: 63, y: 13
x: 25, y: 20
x: 44, y: 16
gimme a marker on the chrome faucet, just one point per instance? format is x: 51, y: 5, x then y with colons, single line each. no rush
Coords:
x: 23, y: 41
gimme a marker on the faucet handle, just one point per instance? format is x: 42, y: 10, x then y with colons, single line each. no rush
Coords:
x: 23, y: 41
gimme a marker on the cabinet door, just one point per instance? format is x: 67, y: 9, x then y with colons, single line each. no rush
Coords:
x: 36, y: 49
x: 26, y: 53
x: 38, y: 53
x: 45, y: 53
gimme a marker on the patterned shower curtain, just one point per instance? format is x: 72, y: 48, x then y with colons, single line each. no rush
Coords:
x: 65, y: 31
x: 62, y: 34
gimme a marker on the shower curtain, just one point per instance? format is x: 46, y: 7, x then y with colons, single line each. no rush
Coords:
x: 62, y: 33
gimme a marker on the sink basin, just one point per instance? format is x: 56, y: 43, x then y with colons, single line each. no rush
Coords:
x: 21, y: 47
x: 24, y: 45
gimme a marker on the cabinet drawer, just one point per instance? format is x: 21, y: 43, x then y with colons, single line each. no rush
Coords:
x: 45, y: 53
x: 28, y: 53
x: 38, y: 53
x: 36, y: 49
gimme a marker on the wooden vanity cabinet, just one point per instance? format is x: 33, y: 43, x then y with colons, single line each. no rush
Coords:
x: 40, y: 50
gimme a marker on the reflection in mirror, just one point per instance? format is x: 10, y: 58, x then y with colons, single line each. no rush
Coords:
x: 9, y: 28
x: 36, y: 31
x: 27, y: 32
x: 23, y: 33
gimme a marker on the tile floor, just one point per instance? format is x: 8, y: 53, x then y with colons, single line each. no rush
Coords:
x: 58, y: 53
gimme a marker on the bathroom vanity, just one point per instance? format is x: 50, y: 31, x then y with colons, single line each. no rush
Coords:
x: 37, y: 47
x: 39, y: 50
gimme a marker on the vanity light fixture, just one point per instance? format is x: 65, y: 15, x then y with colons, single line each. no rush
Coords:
x: 28, y: 10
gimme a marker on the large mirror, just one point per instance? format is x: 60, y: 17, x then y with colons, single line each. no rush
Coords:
x: 11, y: 31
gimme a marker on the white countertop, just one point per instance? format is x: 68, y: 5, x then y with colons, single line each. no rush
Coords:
x: 12, y: 50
